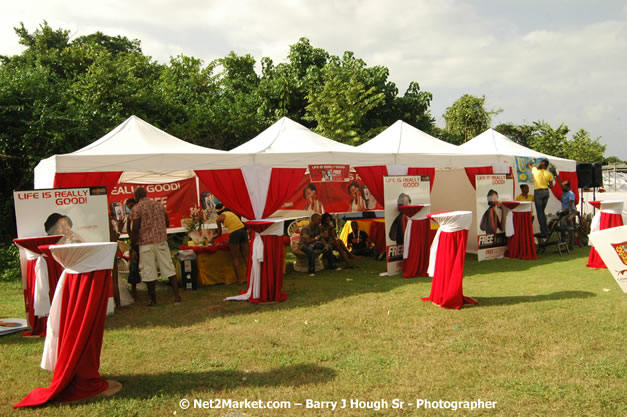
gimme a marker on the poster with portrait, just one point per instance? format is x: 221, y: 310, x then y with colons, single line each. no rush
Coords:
x: 612, y: 247
x: 400, y: 191
x: 347, y: 196
x: 491, y: 190
x: 79, y: 214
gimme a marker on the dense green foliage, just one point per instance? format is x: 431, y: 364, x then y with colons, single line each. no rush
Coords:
x: 61, y: 94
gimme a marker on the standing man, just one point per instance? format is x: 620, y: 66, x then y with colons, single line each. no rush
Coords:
x: 568, y: 203
x: 149, y: 222
x: 543, y: 180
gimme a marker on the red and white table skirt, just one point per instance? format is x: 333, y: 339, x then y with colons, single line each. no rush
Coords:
x: 265, y: 263
x: 416, y: 240
x: 609, y: 214
x: 447, y: 258
x: 519, y: 230
x: 76, y: 324
x: 40, y: 283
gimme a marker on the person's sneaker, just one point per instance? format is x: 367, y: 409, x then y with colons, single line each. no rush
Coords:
x: 311, y: 274
x: 338, y: 268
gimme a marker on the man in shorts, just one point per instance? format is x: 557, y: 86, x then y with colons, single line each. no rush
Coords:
x: 149, y: 222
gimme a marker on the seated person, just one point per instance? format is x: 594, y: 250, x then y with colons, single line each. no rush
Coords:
x: 524, y: 193
x: 310, y: 241
x: 358, y: 242
x: 329, y: 225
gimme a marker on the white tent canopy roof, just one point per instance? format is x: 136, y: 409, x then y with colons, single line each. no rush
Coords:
x: 492, y: 142
x: 133, y: 146
x: 404, y: 138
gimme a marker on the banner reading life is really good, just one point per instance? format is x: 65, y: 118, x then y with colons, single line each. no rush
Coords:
x: 400, y: 191
x: 80, y: 214
x: 491, y: 190
x: 177, y: 197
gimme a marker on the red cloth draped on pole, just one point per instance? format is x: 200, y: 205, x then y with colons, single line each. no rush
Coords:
x: 446, y: 263
x: 40, y: 287
x: 519, y: 231
x: 76, y: 324
x: 416, y: 240
x: 372, y: 176
x: 86, y: 179
x: 471, y: 172
x: 571, y: 177
x: 230, y: 188
x: 424, y: 171
x: 609, y: 215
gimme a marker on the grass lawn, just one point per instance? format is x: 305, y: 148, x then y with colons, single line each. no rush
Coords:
x: 546, y: 339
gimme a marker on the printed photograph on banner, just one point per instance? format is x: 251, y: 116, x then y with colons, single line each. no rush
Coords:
x: 491, y: 190
x: 79, y: 214
x: 177, y: 197
x: 329, y: 173
x: 400, y: 191
x: 611, y: 244
x: 523, y: 173
x: 349, y: 195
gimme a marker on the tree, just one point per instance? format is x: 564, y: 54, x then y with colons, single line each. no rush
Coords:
x: 581, y: 147
x: 467, y: 118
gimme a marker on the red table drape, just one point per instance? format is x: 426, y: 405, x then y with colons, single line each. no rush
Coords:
x: 519, y: 231
x: 265, y: 263
x: 609, y: 215
x: 448, y: 257
x: 35, y: 256
x: 76, y: 324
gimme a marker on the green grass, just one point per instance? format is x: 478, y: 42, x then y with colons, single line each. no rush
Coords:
x: 547, y: 339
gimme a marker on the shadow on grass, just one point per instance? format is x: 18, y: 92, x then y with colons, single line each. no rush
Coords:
x: 518, y: 299
x: 143, y: 386
x: 304, y: 291
x: 17, y: 339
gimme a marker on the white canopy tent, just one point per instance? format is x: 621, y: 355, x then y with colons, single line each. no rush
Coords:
x: 141, y: 151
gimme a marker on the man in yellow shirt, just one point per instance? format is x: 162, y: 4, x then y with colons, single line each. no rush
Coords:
x: 543, y: 180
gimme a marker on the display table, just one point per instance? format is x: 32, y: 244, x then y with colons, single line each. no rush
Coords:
x: 265, y: 263
x: 214, y: 263
x: 41, y: 282
x: 519, y: 230
x: 416, y: 240
x: 76, y: 325
x: 447, y: 257
x: 375, y: 228
x: 610, y: 215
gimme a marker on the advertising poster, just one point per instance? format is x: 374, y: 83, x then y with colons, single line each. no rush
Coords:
x: 523, y: 173
x: 79, y: 214
x: 346, y: 196
x: 612, y: 247
x: 491, y: 190
x: 400, y: 191
x: 177, y: 197
x: 332, y: 173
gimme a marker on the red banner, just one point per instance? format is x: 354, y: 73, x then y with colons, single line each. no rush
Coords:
x: 350, y: 195
x: 177, y: 197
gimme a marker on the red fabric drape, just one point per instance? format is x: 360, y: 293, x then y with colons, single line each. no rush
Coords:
x: 446, y: 289
x: 230, y: 188
x: 574, y: 185
x: 86, y: 179
x: 81, y: 328
x: 424, y: 171
x: 55, y: 269
x: 372, y: 176
x: 471, y: 172
x: 522, y: 245
x: 608, y: 220
x: 271, y: 270
x: 417, y: 261
x: 37, y: 324
x: 283, y: 184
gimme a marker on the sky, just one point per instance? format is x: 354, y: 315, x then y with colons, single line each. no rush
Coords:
x: 561, y: 61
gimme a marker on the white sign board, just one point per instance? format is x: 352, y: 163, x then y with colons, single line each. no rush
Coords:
x: 491, y: 190
x: 612, y: 247
x: 400, y: 191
